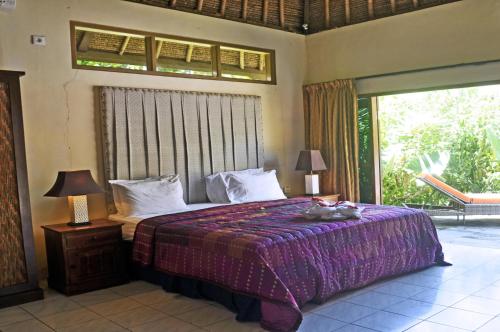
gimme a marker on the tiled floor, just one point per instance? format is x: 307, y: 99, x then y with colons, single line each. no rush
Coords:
x: 462, y: 297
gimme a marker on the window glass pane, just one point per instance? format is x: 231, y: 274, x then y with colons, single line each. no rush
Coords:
x: 183, y: 57
x: 109, y: 49
x: 245, y: 64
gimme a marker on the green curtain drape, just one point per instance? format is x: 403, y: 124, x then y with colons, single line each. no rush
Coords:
x: 331, y: 121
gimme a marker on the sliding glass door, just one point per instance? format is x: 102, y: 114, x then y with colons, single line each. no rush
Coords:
x: 369, y: 165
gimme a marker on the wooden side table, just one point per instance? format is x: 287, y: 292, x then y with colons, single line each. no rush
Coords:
x: 329, y: 197
x: 85, y: 258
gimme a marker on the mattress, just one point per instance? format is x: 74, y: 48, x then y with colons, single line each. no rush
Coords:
x: 130, y: 223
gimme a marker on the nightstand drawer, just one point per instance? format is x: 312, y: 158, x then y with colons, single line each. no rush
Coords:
x: 91, y: 239
x: 94, y: 263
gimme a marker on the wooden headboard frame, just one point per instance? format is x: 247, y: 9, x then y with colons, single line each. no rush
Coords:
x: 148, y: 132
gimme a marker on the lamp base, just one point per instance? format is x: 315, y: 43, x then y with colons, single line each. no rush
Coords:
x: 76, y: 224
x: 312, y: 184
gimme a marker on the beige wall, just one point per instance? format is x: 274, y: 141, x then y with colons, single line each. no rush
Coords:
x: 58, y: 101
x: 461, y: 32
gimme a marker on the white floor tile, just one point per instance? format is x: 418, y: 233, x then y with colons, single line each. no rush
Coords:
x: 69, y: 318
x: 353, y: 328
x: 167, y: 324
x: 439, y: 297
x: 400, y: 289
x: 491, y: 292
x: 231, y: 325
x: 491, y: 326
x: 206, y: 316
x: 153, y: 297
x: 178, y: 305
x: 134, y: 288
x: 30, y: 325
x: 135, y: 317
x: 98, y: 325
x: 375, y: 300
x: 114, y: 307
x: 460, y: 318
x: 463, y: 286
x: 50, y: 306
x: 479, y: 304
x: 317, y: 323
x: 421, y: 279
x: 433, y: 327
x: 103, y: 295
x: 444, y: 272
x: 345, y: 311
x: 387, y: 322
x: 416, y: 309
x: 13, y: 315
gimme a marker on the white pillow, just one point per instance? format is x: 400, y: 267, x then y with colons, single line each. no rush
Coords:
x: 254, y: 187
x: 117, y: 199
x: 216, y: 184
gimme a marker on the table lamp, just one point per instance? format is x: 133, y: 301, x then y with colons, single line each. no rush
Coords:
x: 75, y: 185
x: 310, y: 161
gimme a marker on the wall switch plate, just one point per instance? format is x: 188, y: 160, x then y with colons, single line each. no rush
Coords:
x: 38, y: 40
x: 7, y: 4
x: 287, y: 189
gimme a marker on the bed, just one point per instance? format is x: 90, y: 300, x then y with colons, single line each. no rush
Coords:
x: 265, y: 255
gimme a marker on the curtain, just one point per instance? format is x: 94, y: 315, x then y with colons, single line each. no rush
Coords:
x: 331, y: 121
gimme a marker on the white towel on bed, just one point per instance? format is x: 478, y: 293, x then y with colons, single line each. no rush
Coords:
x: 337, y: 211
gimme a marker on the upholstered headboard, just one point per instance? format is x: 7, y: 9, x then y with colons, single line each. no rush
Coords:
x: 149, y: 132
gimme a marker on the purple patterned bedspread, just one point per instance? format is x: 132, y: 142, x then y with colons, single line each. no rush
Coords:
x: 267, y: 250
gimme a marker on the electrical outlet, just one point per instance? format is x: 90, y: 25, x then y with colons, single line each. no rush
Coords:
x: 38, y: 40
x: 287, y: 189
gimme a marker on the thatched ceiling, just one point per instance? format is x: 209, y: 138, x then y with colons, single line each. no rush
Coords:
x: 294, y: 15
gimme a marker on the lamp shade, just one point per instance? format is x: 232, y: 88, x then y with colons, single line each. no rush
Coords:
x: 74, y: 183
x: 310, y: 160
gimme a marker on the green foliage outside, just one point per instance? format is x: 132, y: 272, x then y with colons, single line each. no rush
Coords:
x: 451, y: 133
x: 109, y: 64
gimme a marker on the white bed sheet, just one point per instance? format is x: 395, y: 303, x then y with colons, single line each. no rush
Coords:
x: 130, y: 223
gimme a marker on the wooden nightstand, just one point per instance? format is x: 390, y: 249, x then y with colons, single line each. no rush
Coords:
x: 329, y: 197
x: 85, y: 258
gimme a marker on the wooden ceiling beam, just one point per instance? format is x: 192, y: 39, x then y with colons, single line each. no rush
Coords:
x: 370, y: 9
x: 265, y: 11
x: 199, y: 6
x: 159, y: 45
x: 189, y: 53
x: 244, y: 10
x: 347, y: 11
x: 222, y: 10
x: 124, y: 45
x: 262, y: 61
x: 326, y: 7
x: 393, y: 6
x: 282, y: 13
x: 83, y: 44
x: 242, y: 60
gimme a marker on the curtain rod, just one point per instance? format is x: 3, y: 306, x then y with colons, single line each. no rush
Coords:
x: 412, y: 71
x: 479, y: 63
